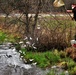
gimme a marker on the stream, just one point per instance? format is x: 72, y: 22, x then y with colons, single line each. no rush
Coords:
x: 12, y: 64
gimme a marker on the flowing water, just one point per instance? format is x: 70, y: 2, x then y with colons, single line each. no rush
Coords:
x: 12, y: 64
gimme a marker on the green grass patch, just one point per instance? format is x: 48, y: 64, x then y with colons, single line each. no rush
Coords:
x: 51, y: 58
x: 43, y: 59
x: 5, y: 37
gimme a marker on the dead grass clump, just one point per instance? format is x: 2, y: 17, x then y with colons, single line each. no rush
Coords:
x: 71, y: 52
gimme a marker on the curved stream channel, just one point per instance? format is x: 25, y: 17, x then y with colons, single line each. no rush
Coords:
x: 11, y: 64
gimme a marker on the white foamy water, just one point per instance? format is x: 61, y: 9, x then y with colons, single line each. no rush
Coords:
x: 11, y: 64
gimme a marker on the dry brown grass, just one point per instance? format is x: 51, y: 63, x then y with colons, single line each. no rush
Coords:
x: 55, y: 32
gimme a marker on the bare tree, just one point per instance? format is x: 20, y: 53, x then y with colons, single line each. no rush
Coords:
x: 23, y: 8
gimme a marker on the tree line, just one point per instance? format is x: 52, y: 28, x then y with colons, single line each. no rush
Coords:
x: 46, y: 5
